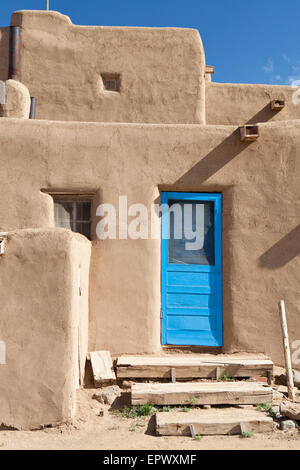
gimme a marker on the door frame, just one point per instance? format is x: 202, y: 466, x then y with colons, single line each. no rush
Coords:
x: 216, y: 198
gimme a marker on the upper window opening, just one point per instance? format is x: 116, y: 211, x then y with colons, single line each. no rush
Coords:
x: 74, y: 214
x: 111, y: 81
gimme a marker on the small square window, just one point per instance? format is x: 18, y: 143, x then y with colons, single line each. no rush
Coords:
x: 111, y: 81
x: 73, y: 214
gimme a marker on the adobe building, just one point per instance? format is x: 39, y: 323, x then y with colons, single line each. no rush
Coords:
x: 133, y: 112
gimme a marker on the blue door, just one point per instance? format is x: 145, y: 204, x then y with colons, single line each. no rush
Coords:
x: 191, y: 269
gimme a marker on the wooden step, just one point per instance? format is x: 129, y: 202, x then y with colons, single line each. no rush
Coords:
x: 193, y: 366
x: 102, y: 366
x: 201, y: 393
x: 212, y: 422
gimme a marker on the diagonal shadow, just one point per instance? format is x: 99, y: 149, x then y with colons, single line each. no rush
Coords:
x: 264, y: 115
x: 283, y: 251
x: 226, y: 151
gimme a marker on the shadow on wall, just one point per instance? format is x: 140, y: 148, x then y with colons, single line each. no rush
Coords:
x: 283, y: 251
x: 226, y: 151
x: 195, y: 179
x: 264, y: 115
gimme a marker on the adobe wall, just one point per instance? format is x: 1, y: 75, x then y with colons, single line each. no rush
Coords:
x: 232, y: 103
x: 17, y: 100
x: 41, y: 319
x: 162, y: 75
x: 261, y: 207
x: 162, y: 71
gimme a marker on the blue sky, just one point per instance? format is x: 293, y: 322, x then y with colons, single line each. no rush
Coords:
x: 253, y: 41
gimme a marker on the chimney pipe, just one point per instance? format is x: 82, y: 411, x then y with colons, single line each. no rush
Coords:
x: 32, y: 107
x: 14, y: 71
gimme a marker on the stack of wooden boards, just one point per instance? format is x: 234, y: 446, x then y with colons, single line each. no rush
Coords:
x: 187, y: 385
x: 226, y: 421
x: 201, y: 393
x: 193, y: 366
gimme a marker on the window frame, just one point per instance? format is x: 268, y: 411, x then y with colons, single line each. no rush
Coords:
x: 74, y: 199
x: 111, y: 77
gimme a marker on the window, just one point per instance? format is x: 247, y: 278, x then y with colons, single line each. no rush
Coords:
x: 196, y: 218
x: 111, y: 81
x: 73, y: 213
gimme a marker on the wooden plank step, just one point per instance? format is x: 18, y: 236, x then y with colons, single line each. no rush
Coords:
x: 201, y: 393
x: 102, y: 366
x: 212, y: 422
x: 190, y: 367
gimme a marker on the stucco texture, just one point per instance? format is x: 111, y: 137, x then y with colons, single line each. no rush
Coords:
x: 17, y: 102
x: 162, y: 71
x: 41, y: 320
x: 232, y: 103
x: 261, y: 202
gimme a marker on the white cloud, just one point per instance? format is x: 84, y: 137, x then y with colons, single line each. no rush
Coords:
x: 294, y: 80
x: 269, y: 67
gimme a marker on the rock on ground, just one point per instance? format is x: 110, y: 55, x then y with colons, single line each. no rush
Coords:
x: 108, y: 395
x: 277, y: 396
x: 296, y: 375
x: 290, y: 410
x: 287, y: 425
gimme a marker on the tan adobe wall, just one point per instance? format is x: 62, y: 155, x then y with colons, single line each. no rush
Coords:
x: 41, y: 320
x: 261, y: 195
x: 162, y: 71
x: 162, y: 75
x: 228, y: 103
x: 4, y: 53
x: 17, y: 100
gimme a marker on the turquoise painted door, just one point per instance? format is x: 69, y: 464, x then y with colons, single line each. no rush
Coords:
x: 191, y: 284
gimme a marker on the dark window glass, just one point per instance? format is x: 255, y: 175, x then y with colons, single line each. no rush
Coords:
x: 111, y: 81
x: 191, y: 230
x: 74, y: 215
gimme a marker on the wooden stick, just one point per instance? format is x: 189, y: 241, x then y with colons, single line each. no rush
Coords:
x: 287, y: 352
x: 192, y: 431
x: 243, y: 430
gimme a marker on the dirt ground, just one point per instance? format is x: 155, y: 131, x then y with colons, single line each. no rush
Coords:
x: 89, y: 431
